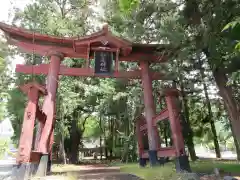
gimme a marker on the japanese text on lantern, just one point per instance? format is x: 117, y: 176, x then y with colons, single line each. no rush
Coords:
x: 103, y: 64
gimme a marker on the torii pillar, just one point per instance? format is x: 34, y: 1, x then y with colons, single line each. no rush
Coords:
x: 150, y: 111
x: 26, y: 158
x: 49, y: 108
x: 182, y: 162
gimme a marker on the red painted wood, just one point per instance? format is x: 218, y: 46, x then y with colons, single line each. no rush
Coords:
x: 26, y: 139
x: 148, y: 103
x: 35, y: 157
x: 43, y: 69
x: 15, y: 33
x: 45, y: 50
x: 141, y: 127
x: 163, y: 115
x: 162, y: 152
x: 49, y: 103
x: 166, y: 152
x: 174, y: 118
x: 138, y: 133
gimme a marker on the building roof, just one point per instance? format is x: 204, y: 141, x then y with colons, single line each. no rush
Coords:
x: 80, y: 47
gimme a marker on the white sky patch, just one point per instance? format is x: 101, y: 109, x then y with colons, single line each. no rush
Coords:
x: 6, y: 11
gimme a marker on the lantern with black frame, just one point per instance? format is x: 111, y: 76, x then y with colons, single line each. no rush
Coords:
x: 104, y: 57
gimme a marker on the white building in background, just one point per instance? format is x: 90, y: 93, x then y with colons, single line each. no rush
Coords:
x: 6, y: 129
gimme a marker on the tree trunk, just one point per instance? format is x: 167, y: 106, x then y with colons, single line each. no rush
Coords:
x: 236, y: 143
x: 62, y: 150
x: 111, y: 139
x: 101, y: 152
x: 213, y: 128
x: 229, y: 101
x: 165, y: 132
x: 75, y: 142
x: 187, y: 130
x: 105, y: 142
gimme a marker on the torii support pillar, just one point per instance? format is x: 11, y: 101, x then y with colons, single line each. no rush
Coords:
x: 150, y: 112
x: 47, y: 132
x: 182, y: 162
x: 27, y: 159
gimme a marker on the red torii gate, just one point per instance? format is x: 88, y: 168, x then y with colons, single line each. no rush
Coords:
x: 171, y: 113
x: 96, y: 46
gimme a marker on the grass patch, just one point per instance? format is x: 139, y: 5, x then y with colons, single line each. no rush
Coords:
x: 168, y: 171
x: 157, y: 173
x: 208, y: 166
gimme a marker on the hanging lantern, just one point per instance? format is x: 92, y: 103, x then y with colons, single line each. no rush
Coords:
x: 103, y: 62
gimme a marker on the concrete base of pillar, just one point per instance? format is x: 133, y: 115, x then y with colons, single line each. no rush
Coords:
x: 153, y: 159
x: 182, y: 164
x: 142, y: 162
x: 43, y: 166
x: 24, y: 171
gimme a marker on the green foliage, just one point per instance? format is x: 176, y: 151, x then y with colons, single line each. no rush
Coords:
x: 128, y: 5
x: 4, y: 79
x: 233, y: 28
x: 4, y: 144
x: 93, y: 129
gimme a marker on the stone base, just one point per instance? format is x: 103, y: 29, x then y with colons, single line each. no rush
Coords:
x: 142, y: 162
x: 182, y: 164
x: 43, y: 166
x: 24, y: 171
x: 153, y: 159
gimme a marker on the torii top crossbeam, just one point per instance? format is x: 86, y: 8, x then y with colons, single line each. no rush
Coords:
x: 78, y: 47
x: 84, y: 47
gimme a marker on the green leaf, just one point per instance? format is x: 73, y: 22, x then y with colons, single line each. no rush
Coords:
x: 232, y: 24
x: 237, y: 47
x: 127, y: 6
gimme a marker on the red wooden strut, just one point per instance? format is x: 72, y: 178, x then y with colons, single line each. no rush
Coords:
x: 33, y: 90
x: 46, y: 140
x: 85, y: 72
x: 172, y: 114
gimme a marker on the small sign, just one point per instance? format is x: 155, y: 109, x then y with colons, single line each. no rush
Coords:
x: 103, y: 62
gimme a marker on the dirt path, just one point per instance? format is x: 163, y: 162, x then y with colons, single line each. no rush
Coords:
x: 92, y: 173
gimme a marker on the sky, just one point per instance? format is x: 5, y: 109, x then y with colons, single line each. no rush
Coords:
x: 6, y: 5
x: 5, y: 10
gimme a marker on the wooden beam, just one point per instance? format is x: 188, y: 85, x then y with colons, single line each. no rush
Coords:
x: 85, y: 72
x: 166, y: 152
x: 44, y: 50
x: 162, y: 152
x: 164, y: 114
